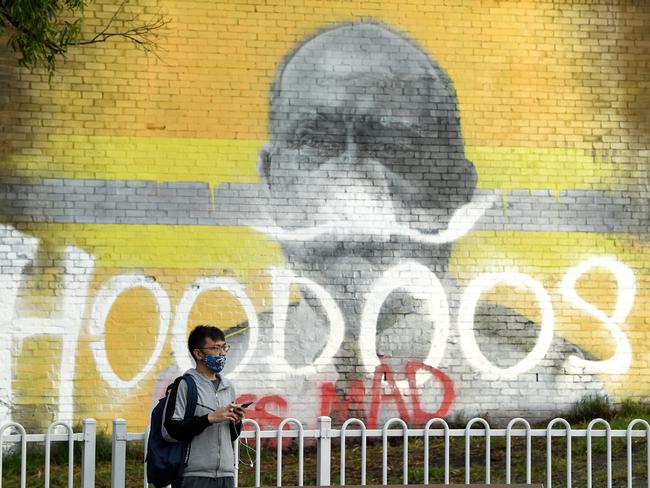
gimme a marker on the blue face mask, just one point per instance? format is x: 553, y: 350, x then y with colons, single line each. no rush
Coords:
x: 215, y: 363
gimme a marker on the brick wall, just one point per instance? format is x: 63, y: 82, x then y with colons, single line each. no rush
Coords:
x: 446, y: 214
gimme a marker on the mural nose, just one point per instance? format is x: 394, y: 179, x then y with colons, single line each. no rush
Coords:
x: 359, y: 192
x: 351, y: 147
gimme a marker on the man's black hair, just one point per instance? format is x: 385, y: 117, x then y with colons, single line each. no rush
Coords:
x: 200, y: 333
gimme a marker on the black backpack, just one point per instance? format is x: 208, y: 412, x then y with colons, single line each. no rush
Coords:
x: 165, y: 460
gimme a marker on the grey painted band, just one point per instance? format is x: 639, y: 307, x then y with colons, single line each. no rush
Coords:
x: 85, y: 201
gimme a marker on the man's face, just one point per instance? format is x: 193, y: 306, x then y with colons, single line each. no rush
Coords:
x: 364, y: 140
x: 211, y: 347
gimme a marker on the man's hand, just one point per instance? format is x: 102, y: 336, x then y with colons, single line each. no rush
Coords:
x: 239, y: 412
x: 224, y: 414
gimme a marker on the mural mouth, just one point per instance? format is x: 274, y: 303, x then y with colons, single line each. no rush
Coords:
x: 462, y: 221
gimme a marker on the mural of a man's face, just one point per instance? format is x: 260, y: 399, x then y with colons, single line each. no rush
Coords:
x: 365, y: 139
x: 367, y: 178
x: 365, y: 163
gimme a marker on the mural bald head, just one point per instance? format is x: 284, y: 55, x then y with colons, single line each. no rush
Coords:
x: 365, y: 137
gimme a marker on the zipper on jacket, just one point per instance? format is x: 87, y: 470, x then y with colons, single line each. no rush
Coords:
x: 218, y: 426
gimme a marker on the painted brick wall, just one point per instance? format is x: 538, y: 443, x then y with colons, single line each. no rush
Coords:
x: 445, y: 211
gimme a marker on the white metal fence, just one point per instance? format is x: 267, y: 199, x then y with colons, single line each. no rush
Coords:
x: 86, y: 437
x: 323, y: 435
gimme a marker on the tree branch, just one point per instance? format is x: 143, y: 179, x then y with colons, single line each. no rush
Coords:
x: 139, y: 35
x: 41, y: 33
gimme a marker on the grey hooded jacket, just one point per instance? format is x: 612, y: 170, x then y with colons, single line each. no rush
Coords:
x: 211, y: 452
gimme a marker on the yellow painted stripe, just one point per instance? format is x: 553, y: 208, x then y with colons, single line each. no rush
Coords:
x: 220, y: 160
x: 542, y: 252
x: 509, y: 168
x: 142, y: 158
x: 164, y: 246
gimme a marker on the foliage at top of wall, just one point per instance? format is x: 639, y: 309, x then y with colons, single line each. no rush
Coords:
x: 41, y: 32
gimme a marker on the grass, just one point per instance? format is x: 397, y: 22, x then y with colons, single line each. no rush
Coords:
x: 579, y: 417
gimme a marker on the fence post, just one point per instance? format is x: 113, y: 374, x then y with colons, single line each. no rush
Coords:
x: 118, y: 454
x: 324, y: 453
x: 89, y: 431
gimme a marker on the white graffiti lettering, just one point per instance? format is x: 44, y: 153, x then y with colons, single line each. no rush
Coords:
x: 467, y: 311
x: 282, y: 280
x: 423, y: 284
x: 66, y: 324
x: 106, y: 296
x: 179, y: 330
x: 266, y: 343
x: 621, y: 360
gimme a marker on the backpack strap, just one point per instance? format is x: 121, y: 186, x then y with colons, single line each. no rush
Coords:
x: 190, y: 407
x: 192, y: 395
x: 191, y: 400
x: 170, y: 394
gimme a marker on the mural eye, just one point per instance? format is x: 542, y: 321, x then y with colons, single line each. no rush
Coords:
x: 392, y: 150
x: 306, y: 137
x: 321, y: 142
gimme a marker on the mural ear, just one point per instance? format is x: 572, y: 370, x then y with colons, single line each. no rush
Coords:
x: 461, y: 185
x: 264, y: 164
x: 470, y: 180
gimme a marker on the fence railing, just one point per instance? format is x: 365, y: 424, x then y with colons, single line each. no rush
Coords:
x: 323, y: 435
x: 87, y: 438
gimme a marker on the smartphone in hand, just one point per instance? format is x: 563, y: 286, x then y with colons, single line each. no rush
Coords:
x: 240, y: 408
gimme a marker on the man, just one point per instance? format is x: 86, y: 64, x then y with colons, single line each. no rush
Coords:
x: 216, y: 421
x: 365, y: 171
